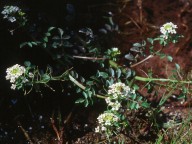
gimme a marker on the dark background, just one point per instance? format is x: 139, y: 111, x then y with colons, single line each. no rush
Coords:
x: 74, y: 14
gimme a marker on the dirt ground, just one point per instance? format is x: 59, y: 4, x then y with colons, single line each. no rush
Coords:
x: 137, y: 21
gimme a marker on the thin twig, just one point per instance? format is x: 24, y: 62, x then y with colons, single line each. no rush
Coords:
x: 55, y: 129
x: 89, y: 58
x: 134, y: 65
x: 134, y: 21
x: 139, y: 4
x: 178, y: 73
x: 25, y: 133
x: 69, y: 116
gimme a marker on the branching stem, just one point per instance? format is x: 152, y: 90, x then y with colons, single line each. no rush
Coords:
x: 161, y: 79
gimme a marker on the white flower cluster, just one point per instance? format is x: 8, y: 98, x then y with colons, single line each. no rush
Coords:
x: 106, y: 120
x: 115, y: 49
x: 117, y: 92
x: 13, y: 73
x: 168, y: 28
x: 119, y: 89
x: 9, y: 12
x: 114, y: 104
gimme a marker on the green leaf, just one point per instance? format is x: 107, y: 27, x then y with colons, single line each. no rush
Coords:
x: 145, y: 104
x: 80, y: 100
x: 103, y: 75
x: 137, y: 45
x: 111, y: 81
x: 66, y: 37
x: 135, y: 49
x: 136, y: 87
x: 46, y: 77
x: 111, y: 71
x: 45, y: 39
x: 139, y: 98
x: 174, y: 41
x: 29, y: 44
x: 177, y: 66
x: 50, y: 29
x: 170, y: 58
x: 162, y: 55
x: 82, y: 79
x: 47, y: 34
x: 23, y: 44
x: 184, y: 89
x: 78, y: 90
x: 181, y: 96
x: 86, y: 103
x: 76, y: 75
x: 27, y: 63
x: 89, y: 83
x: 143, y: 43
x: 133, y: 105
x: 129, y: 56
x: 93, y: 91
x: 150, y: 40
x: 128, y: 73
x: 108, y: 83
x: 61, y: 32
x: 150, y: 88
x: 44, y: 45
x: 118, y: 73
x: 136, y: 106
x: 89, y: 93
x: 72, y: 73
x: 133, y: 96
x: 34, y: 43
x: 85, y: 94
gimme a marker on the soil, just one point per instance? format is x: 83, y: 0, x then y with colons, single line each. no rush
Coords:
x: 38, y: 119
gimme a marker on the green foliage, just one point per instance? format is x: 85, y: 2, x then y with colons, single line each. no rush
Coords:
x: 64, y: 47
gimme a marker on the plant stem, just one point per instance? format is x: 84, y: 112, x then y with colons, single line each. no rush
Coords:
x: 76, y: 82
x: 115, y: 65
x: 100, y: 96
x: 134, y: 65
x: 89, y: 58
x: 161, y: 79
x: 82, y: 86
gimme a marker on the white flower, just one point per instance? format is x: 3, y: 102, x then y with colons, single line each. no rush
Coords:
x: 12, y: 79
x: 13, y: 73
x: 119, y: 89
x: 106, y: 121
x: 9, y: 11
x: 115, y: 119
x: 97, y: 129
x: 31, y: 75
x: 107, y: 118
x: 11, y: 19
x: 103, y: 128
x: 108, y: 100
x: 13, y: 86
x: 115, y: 106
x: 168, y: 28
x: 114, y: 49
